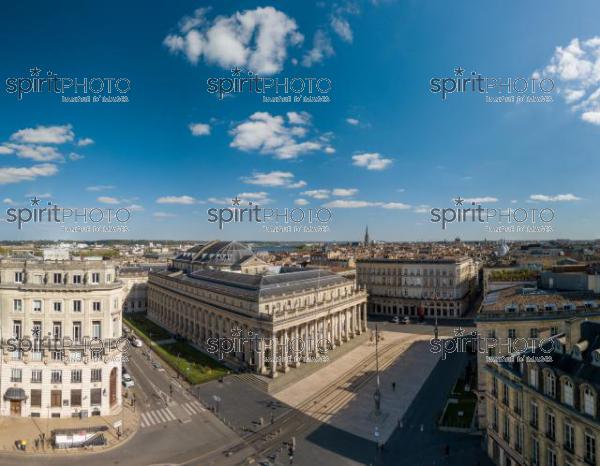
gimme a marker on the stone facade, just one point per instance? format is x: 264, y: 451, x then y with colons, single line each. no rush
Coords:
x: 53, y: 308
x: 289, y: 317
x: 407, y: 287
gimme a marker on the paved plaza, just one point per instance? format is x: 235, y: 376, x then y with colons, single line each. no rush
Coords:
x: 407, y: 364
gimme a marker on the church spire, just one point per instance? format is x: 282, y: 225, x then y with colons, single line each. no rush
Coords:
x: 367, y: 236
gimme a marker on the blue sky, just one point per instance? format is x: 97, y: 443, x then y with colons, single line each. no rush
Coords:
x: 382, y: 152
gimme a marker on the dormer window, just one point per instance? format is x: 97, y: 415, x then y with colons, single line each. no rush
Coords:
x: 589, y: 402
x: 549, y: 307
x: 533, y: 377
x: 568, y: 392
x: 530, y: 308
x: 569, y: 307
x: 511, y: 308
x: 550, y: 384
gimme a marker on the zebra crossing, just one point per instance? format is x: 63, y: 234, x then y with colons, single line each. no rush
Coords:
x: 164, y: 415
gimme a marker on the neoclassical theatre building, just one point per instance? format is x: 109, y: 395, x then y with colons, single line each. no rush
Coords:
x: 291, y: 315
x: 46, y: 301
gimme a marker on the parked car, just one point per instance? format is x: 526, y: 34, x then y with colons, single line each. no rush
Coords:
x: 137, y: 342
x: 406, y: 320
x: 396, y: 320
x: 127, y: 381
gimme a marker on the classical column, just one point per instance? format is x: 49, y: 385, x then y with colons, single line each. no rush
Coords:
x: 339, y: 327
x: 306, y: 341
x: 296, y: 346
x: 358, y: 319
x: 315, y: 339
x: 273, y: 355
x: 364, y: 320
x: 259, y: 355
x: 285, y: 351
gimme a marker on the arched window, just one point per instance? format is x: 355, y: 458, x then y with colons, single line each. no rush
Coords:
x: 550, y: 384
x: 533, y: 377
x: 589, y: 401
x: 568, y: 392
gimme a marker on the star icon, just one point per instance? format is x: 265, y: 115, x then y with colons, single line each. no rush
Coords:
x: 458, y: 71
x: 35, y: 332
x: 459, y: 201
x: 35, y: 71
x: 35, y: 201
x: 235, y: 201
x: 459, y: 332
x: 236, y: 71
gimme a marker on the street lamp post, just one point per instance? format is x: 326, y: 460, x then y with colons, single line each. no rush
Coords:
x: 377, y: 394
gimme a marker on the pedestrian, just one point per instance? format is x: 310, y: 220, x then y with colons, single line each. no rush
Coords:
x: 37, y: 443
x: 394, y: 386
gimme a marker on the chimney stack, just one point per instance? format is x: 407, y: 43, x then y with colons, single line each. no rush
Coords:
x: 572, y: 333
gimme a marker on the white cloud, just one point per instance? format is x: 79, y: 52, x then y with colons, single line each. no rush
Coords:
x: 301, y: 202
x: 85, y: 142
x: 260, y: 197
x: 44, y: 135
x: 329, y: 150
x: 481, y: 200
x: 199, y: 129
x: 354, y: 204
x: 274, y: 179
x: 344, y: 191
x: 74, y: 156
x: 35, y: 152
x: 273, y: 135
x: 350, y: 204
x: 575, y: 68
x: 321, y: 49
x: 108, y: 200
x: 371, y: 161
x: 341, y: 26
x: 163, y: 215
x: 8, y: 200
x: 317, y: 193
x: 16, y: 175
x: 134, y: 208
x: 255, y: 39
x: 395, y: 205
x: 555, y: 198
x: 5, y: 150
x: 182, y: 200
x: 352, y: 121
x: 299, y: 118
x: 101, y: 187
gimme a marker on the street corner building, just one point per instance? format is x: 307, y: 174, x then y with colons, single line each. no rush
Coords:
x: 437, y: 287
x: 542, y: 404
x: 60, y: 319
x: 222, y: 290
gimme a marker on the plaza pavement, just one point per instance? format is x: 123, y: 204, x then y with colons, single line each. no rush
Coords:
x: 355, y: 414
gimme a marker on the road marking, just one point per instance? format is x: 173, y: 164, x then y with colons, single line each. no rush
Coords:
x: 170, y: 415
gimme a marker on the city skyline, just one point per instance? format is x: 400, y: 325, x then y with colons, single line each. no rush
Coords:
x: 175, y: 150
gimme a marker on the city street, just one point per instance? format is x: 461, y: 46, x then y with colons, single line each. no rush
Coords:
x: 175, y: 428
x: 178, y: 432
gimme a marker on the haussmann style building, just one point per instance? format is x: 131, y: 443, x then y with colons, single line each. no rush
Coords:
x: 418, y: 287
x: 56, y: 308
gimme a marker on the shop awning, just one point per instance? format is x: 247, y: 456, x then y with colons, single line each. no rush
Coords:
x: 16, y: 394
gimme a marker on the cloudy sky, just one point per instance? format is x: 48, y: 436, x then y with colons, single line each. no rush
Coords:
x: 384, y: 151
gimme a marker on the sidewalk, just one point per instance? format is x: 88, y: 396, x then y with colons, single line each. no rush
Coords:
x: 29, y: 429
